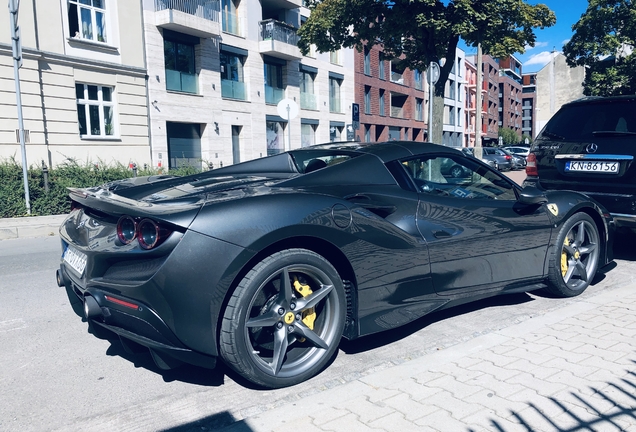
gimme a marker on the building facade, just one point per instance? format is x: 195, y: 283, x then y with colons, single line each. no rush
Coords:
x: 528, y: 104
x: 510, y: 94
x: 83, y: 83
x: 392, y: 99
x: 490, y: 99
x: 218, y: 71
x: 557, y: 83
x: 454, y: 103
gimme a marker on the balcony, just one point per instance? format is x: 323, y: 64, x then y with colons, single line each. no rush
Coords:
x: 397, y: 111
x: 273, y: 95
x: 279, y: 40
x: 308, y: 101
x: 233, y: 89
x: 198, y: 18
x: 231, y: 23
x: 334, y: 105
x: 182, y: 82
x: 282, y: 4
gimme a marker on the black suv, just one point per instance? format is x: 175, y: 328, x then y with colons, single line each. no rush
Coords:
x: 589, y: 146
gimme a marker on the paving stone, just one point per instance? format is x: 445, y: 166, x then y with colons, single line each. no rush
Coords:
x: 497, y: 387
x: 561, y: 343
x: 498, y: 372
x: 541, y: 372
x: 304, y: 424
x: 498, y: 405
x: 567, y: 355
x: 395, y: 422
x: 365, y: 410
x: 409, y: 408
x: 377, y: 395
x: 542, y: 387
x: 496, y: 359
x: 441, y: 420
x: 455, y: 387
x: 487, y: 420
x: 327, y: 414
x: 416, y: 390
x: 605, y: 354
x: 578, y: 370
x: 456, y: 407
x: 349, y: 423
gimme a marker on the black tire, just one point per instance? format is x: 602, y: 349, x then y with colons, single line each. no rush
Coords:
x: 574, y: 258
x: 267, y: 334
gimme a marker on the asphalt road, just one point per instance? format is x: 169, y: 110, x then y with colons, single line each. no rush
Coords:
x: 54, y: 375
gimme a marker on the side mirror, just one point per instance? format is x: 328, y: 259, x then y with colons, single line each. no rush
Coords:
x: 532, y: 195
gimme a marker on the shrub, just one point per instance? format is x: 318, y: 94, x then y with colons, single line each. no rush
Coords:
x: 68, y: 174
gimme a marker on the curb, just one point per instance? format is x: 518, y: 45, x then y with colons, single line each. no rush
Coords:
x: 30, y: 226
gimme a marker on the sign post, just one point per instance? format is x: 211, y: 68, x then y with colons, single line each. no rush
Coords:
x: 433, y: 76
x: 288, y: 110
x: 355, y: 116
x: 16, y: 46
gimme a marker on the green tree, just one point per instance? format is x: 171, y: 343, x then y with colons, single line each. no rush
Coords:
x: 418, y: 32
x: 603, y: 40
x: 509, y: 136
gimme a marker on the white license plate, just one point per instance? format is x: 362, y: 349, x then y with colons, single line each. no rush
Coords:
x: 76, y: 259
x: 593, y: 166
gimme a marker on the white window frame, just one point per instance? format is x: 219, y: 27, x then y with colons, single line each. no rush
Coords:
x: 101, y: 103
x: 93, y: 10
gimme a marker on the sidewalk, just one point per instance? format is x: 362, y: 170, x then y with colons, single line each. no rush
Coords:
x: 568, y: 370
x: 33, y: 226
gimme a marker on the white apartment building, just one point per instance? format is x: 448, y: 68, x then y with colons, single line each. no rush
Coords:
x: 83, y: 83
x: 217, y: 72
x: 455, y: 103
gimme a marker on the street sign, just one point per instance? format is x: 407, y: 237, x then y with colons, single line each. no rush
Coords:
x: 350, y: 133
x: 355, y: 116
x: 433, y: 72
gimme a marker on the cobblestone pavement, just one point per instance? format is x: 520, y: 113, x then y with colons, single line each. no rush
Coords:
x: 571, y: 369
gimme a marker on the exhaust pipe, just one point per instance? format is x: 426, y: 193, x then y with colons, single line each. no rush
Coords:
x: 59, y: 277
x: 91, y: 308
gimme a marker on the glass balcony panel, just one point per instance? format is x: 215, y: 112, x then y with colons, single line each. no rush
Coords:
x: 308, y: 101
x: 273, y: 95
x: 233, y: 89
x: 334, y: 105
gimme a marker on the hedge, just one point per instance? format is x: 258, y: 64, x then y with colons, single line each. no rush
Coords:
x: 71, y: 173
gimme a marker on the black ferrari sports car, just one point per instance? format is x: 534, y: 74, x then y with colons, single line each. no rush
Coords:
x: 267, y: 264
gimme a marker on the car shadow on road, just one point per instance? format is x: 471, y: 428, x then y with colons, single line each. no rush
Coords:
x: 390, y: 336
x: 624, y: 246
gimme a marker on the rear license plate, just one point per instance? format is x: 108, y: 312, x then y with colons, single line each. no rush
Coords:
x: 76, y: 259
x: 593, y: 166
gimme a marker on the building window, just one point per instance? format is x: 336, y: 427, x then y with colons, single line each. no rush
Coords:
x: 367, y: 100
x: 334, y: 95
x: 307, y: 135
x: 230, y: 17
x: 274, y: 91
x: 180, y: 66
x: 396, y: 73
x: 87, y: 19
x: 95, y: 110
x: 334, y: 57
x: 367, y: 61
x: 381, y: 67
x: 381, y: 102
x: 450, y: 86
x: 307, y: 95
x: 418, y: 109
x: 275, y: 137
x: 232, y: 79
x: 367, y: 133
x: 417, y: 76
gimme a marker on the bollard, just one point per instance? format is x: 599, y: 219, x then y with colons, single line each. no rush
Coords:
x: 134, y: 169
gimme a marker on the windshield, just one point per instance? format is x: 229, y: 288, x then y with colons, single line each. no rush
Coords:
x: 585, y: 121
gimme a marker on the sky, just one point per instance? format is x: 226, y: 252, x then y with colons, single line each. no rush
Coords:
x: 567, y: 14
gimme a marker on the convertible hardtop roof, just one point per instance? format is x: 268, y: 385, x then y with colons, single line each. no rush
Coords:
x: 386, y: 151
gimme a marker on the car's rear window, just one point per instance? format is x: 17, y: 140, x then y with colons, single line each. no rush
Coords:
x: 585, y: 121
x: 311, y: 160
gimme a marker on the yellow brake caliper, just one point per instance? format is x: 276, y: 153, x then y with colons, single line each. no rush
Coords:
x: 309, y: 315
x: 564, y: 258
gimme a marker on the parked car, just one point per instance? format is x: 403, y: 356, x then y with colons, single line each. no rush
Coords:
x: 468, y: 151
x: 589, y: 146
x: 518, y: 162
x: 267, y: 264
x: 520, y: 150
x: 503, y: 161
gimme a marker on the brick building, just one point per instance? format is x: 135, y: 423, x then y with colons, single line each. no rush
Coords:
x: 510, y: 91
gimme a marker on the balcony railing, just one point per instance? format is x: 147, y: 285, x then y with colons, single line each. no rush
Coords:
x: 273, y: 95
x: 308, y: 101
x: 181, y: 82
x: 206, y: 9
x: 397, y: 112
x: 334, y: 105
x: 233, y: 89
x: 279, y: 31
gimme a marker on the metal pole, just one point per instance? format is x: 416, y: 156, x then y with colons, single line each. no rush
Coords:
x: 431, y: 89
x: 17, y: 59
x: 289, y: 126
x: 478, y: 103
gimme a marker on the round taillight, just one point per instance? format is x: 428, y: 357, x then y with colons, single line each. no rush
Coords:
x: 126, y: 229
x: 148, y: 233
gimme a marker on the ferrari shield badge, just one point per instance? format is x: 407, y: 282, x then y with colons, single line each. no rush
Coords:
x: 554, y: 209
